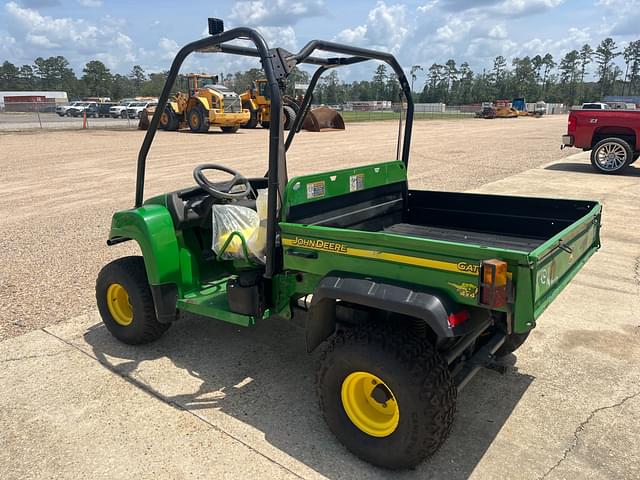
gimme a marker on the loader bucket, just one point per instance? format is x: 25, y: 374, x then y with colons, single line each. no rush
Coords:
x: 145, y: 119
x: 323, y: 118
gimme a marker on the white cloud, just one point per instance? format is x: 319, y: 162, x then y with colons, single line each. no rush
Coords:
x: 274, y: 13
x: 90, y: 3
x: 78, y: 39
x: 385, y: 28
x: 168, y: 47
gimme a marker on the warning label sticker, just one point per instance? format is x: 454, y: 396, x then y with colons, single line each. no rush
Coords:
x: 315, y: 189
x: 356, y: 182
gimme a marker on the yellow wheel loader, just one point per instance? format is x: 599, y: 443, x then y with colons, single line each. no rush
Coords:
x: 257, y: 101
x: 207, y: 104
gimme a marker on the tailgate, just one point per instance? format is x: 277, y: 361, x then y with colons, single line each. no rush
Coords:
x: 558, y: 260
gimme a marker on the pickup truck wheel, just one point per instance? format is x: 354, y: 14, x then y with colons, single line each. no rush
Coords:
x: 125, y: 302
x: 386, y: 394
x: 511, y: 344
x: 123, y: 114
x: 611, y: 155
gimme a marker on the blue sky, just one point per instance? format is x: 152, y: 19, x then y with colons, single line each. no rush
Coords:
x: 149, y: 32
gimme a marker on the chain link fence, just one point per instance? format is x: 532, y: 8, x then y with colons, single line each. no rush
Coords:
x: 49, y: 116
x: 17, y: 116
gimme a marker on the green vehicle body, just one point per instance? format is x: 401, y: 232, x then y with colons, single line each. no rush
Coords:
x: 312, y: 252
x: 414, y: 291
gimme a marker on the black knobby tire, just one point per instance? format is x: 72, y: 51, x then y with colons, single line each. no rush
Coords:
x: 169, y: 120
x: 202, y: 123
x: 416, y: 375
x: 289, y: 117
x: 511, y: 344
x: 131, y: 274
x: 230, y: 129
x: 622, y: 152
x: 253, y: 118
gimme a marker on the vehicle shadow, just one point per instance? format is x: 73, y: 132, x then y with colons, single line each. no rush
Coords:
x: 631, y: 171
x: 263, y: 378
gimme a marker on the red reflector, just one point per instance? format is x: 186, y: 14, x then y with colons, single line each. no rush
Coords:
x: 458, y: 318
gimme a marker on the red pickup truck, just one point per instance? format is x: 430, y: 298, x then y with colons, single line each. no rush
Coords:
x: 613, y: 136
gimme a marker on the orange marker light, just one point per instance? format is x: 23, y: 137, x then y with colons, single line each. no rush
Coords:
x: 493, y: 290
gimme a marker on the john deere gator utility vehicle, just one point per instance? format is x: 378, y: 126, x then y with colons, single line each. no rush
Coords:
x: 206, y: 104
x: 410, y: 292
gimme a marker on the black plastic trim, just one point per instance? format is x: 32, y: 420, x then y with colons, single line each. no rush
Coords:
x: 165, y: 300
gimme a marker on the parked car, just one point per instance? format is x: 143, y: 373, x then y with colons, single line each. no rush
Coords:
x: 120, y: 110
x: 90, y: 108
x: 595, y: 106
x: 613, y: 136
x: 104, y: 109
x: 135, y: 109
x: 63, y: 110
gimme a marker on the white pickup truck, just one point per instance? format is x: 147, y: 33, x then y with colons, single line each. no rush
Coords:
x: 120, y: 111
x: 63, y: 110
x: 135, y: 109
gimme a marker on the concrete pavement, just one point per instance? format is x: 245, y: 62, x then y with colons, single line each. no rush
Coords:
x: 210, y: 400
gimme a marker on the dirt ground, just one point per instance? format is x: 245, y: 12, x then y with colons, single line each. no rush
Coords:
x: 59, y: 189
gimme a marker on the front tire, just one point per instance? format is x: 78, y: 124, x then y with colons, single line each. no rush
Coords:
x: 611, y: 155
x: 197, y: 119
x: 169, y: 120
x: 375, y: 365
x: 125, y: 302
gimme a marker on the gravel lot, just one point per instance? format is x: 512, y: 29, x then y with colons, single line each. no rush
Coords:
x: 60, y: 189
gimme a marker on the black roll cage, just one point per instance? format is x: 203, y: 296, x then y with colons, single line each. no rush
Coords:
x: 276, y: 63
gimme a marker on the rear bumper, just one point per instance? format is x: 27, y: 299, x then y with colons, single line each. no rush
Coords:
x: 567, y: 141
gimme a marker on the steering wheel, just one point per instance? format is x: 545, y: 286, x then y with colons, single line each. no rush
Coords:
x: 221, y: 189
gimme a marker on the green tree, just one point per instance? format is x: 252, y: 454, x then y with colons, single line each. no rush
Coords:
x: 154, y: 84
x: 379, y: 81
x: 137, y: 77
x: 605, y: 54
x: 569, y: 71
x: 9, y: 76
x: 97, y: 79
x: 499, y: 75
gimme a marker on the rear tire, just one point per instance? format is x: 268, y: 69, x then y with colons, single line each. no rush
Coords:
x: 136, y: 323
x: 289, y: 117
x: 230, y: 129
x: 611, y: 155
x: 197, y: 119
x: 123, y: 114
x: 415, y: 380
x: 265, y: 124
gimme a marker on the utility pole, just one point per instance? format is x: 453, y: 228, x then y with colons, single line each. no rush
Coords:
x: 413, y: 71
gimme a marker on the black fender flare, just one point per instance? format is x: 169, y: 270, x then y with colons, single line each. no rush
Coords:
x: 430, y: 305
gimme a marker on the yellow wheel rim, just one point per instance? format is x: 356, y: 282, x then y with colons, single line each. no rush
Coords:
x: 370, y: 404
x: 195, y: 120
x: 119, y: 305
x: 164, y: 118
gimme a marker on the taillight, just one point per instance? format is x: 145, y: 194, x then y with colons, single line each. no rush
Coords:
x: 458, y: 318
x: 573, y: 123
x: 493, y: 286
